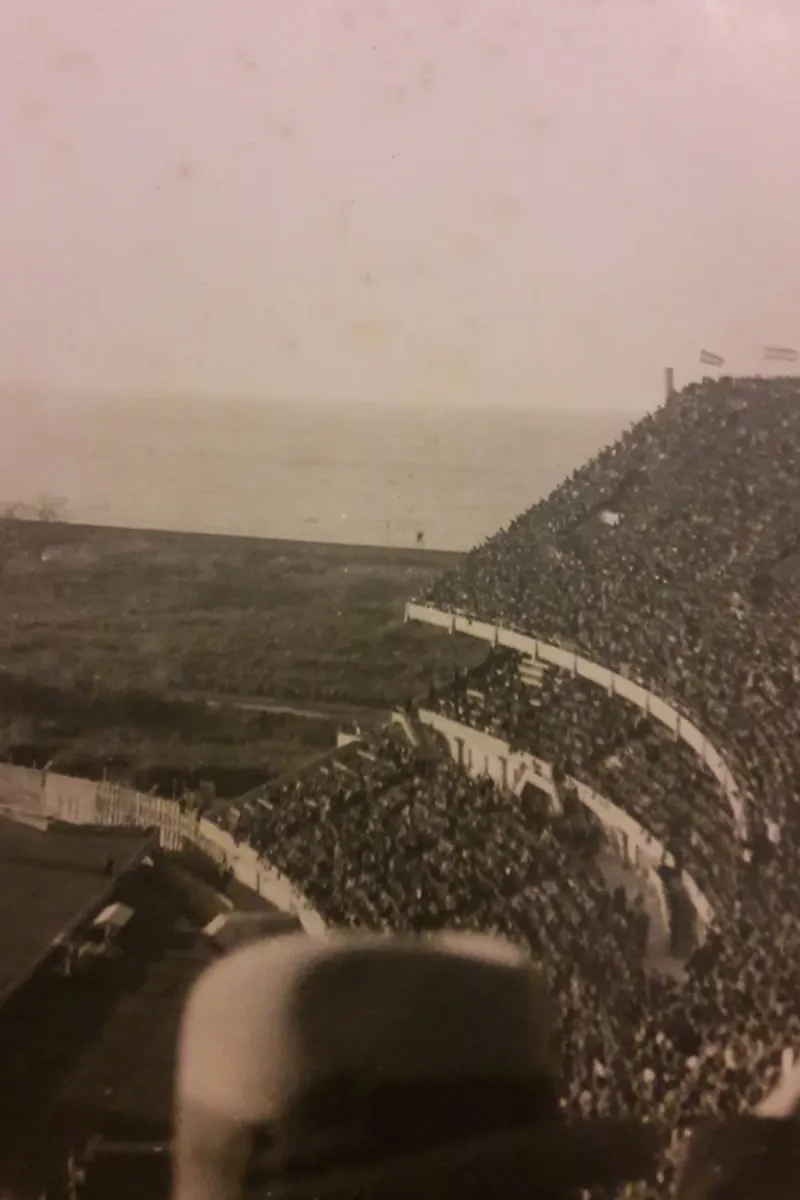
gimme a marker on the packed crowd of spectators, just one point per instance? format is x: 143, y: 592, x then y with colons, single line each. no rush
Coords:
x: 614, y: 748
x: 673, y: 554
x: 395, y: 837
x: 672, y: 558
x: 669, y: 557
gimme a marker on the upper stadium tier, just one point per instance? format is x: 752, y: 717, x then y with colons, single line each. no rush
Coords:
x: 614, y: 748
x: 673, y: 556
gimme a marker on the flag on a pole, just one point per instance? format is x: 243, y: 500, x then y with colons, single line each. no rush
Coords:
x: 713, y: 360
x: 780, y: 354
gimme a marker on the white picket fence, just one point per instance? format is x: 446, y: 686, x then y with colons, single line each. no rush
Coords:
x: 117, y: 805
x: 43, y: 795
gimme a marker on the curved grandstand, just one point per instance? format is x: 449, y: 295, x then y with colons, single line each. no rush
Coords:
x: 639, y: 691
x: 670, y: 559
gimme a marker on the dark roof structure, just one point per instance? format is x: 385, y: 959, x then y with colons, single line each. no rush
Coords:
x: 122, y: 1085
x: 52, y: 881
x: 93, y: 1054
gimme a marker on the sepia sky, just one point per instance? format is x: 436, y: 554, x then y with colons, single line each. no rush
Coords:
x: 482, y: 202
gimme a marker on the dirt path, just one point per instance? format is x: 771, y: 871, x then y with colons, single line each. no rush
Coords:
x: 319, y: 709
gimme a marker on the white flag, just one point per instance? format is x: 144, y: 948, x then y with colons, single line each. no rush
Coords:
x: 713, y: 360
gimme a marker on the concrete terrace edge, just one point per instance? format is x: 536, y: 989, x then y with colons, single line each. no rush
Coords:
x: 614, y: 684
x: 635, y: 845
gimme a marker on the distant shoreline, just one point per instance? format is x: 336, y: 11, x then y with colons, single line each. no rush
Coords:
x: 62, y: 531
x: 356, y: 478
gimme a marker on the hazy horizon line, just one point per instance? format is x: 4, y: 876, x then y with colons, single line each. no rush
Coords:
x: 43, y: 392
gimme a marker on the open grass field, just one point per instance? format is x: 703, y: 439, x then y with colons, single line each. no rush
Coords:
x: 170, y: 658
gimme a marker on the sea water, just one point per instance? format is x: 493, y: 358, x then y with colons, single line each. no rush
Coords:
x: 362, y: 474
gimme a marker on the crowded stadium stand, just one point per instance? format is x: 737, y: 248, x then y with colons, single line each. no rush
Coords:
x: 612, y: 746
x: 669, y: 563
x: 692, y: 588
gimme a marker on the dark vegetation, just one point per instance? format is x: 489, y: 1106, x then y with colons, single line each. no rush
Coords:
x: 170, y: 659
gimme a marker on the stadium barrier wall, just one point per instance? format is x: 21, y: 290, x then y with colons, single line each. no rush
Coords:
x: 21, y: 787
x: 615, y: 685
x: 640, y: 849
x: 87, y: 802
x: 482, y: 754
x: 346, y: 739
x: 258, y: 875
x: 401, y: 719
x: 25, y: 816
x: 52, y: 796
x: 71, y: 799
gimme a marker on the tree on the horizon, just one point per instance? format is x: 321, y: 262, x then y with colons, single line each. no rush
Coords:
x: 51, y: 508
x: 47, y: 508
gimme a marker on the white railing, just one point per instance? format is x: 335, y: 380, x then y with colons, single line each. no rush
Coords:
x: 50, y: 796
x: 401, y: 719
x: 117, y: 805
x: 481, y: 754
x: 614, y: 684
